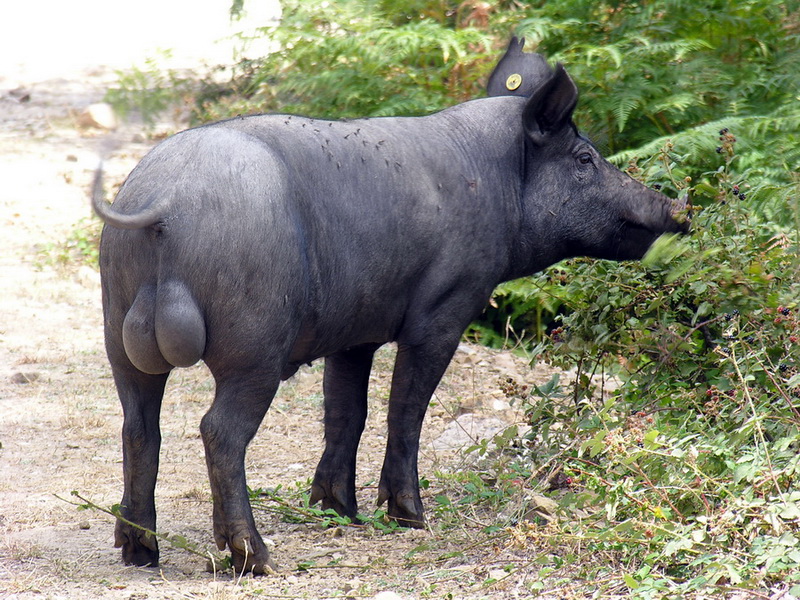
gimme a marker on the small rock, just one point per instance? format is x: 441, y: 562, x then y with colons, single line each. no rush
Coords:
x: 350, y: 588
x: 415, y: 534
x: 468, y: 429
x: 387, y: 596
x: 22, y: 378
x: 466, y: 355
x: 84, y: 525
x: 541, y: 507
x: 215, y: 564
x: 507, y: 363
x: 20, y: 94
x: 218, y: 589
x: 98, y: 116
x: 88, y: 277
x: 500, y: 405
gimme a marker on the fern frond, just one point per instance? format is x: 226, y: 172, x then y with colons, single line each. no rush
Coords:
x: 623, y: 109
x: 610, y: 51
x: 678, y: 102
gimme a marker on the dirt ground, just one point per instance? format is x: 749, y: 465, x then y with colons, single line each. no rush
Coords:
x: 60, y: 418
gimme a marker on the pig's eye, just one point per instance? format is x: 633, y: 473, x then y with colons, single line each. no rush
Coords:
x: 584, y: 158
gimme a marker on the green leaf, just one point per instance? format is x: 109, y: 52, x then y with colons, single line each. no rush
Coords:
x: 650, y: 439
x: 704, y: 309
x: 630, y: 581
x: 790, y: 511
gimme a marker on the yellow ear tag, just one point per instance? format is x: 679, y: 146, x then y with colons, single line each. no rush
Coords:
x: 514, y: 81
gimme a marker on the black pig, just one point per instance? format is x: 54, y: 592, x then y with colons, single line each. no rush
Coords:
x: 517, y: 73
x: 261, y: 243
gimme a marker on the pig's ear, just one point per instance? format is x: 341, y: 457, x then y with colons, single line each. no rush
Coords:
x: 515, y: 45
x: 551, y: 104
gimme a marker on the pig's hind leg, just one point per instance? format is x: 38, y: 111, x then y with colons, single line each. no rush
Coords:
x: 345, y: 387
x: 240, y: 403
x: 140, y: 395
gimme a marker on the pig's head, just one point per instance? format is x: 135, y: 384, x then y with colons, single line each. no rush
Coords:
x: 576, y: 202
x: 518, y: 73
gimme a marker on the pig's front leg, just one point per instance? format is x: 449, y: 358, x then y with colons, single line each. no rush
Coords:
x: 417, y: 371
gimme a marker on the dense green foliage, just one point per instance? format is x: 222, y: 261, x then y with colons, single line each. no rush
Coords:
x: 659, y: 68
x: 353, y: 58
x: 695, y: 454
x: 687, y: 471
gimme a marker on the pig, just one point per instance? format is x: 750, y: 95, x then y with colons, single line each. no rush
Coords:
x: 261, y: 243
x: 517, y: 73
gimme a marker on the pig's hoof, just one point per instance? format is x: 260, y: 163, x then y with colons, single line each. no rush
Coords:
x: 405, y: 508
x: 334, y: 496
x: 406, y: 519
x: 138, y: 547
x: 250, y: 556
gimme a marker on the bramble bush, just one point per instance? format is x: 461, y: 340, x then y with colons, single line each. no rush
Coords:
x: 694, y: 451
